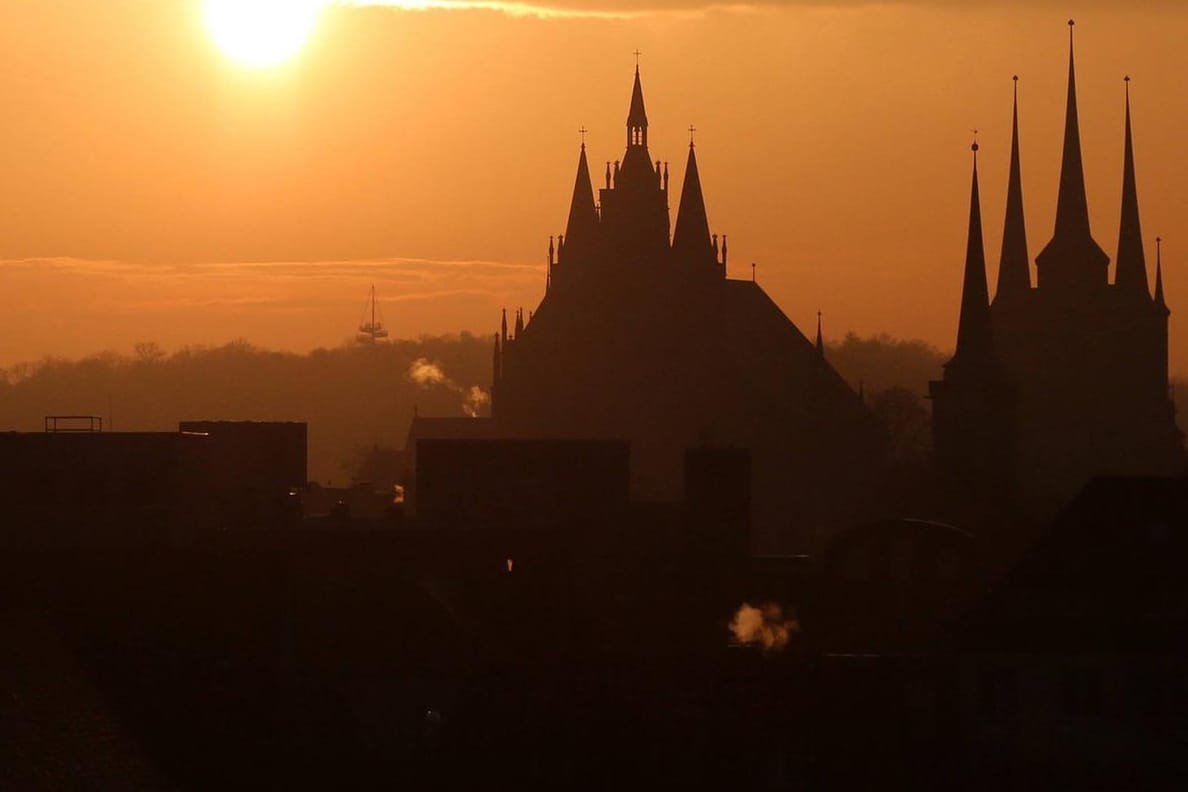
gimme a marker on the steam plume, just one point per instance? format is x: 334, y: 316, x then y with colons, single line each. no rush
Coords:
x: 427, y: 374
x: 765, y: 626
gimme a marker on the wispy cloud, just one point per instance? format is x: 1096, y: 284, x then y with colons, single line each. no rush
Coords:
x: 71, y: 306
x: 561, y: 9
x: 516, y: 9
x: 637, y: 9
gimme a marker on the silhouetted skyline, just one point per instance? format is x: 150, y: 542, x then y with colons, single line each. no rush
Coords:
x: 310, y: 161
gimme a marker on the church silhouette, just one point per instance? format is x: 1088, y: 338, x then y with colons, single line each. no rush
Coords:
x: 1053, y: 384
x: 641, y: 336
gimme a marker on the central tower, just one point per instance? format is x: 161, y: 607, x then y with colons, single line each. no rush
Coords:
x: 635, y: 199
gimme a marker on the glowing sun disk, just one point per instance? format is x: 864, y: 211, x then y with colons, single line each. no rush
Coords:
x: 262, y: 32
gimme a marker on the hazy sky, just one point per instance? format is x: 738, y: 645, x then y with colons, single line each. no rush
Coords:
x: 152, y: 189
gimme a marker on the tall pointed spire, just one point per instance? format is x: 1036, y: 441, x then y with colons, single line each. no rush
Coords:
x: 1072, y: 258
x: 1072, y: 207
x: 820, y: 338
x: 1131, y: 274
x: 691, y: 238
x: 1014, y: 268
x: 974, y: 338
x: 582, y: 226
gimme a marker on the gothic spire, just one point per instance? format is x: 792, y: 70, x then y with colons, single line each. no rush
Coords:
x: 1014, y: 268
x: 1132, y: 263
x: 637, y: 117
x: 583, y: 216
x: 503, y: 326
x: 691, y: 239
x: 1072, y: 259
x: 820, y: 338
x: 974, y: 339
x: 1072, y: 207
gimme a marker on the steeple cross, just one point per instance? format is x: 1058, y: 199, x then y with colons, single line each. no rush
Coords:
x: 692, y: 129
x: 637, y: 53
x: 583, y: 132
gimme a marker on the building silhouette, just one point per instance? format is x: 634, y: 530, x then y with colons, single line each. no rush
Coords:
x: 642, y: 336
x: 1053, y: 384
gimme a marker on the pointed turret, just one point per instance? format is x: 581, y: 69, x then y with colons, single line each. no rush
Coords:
x: 583, y: 215
x: 497, y: 363
x: 1131, y: 276
x: 975, y: 346
x: 691, y: 238
x: 820, y: 337
x: 1159, y: 300
x: 519, y: 323
x: 503, y: 326
x: 1014, y: 268
x: 1072, y: 259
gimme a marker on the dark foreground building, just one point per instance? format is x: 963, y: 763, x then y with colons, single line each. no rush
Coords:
x: 641, y: 336
x: 1055, y: 383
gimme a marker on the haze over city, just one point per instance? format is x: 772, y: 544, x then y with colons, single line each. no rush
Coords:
x: 161, y: 186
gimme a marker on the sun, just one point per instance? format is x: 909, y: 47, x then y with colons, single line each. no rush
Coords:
x: 262, y: 33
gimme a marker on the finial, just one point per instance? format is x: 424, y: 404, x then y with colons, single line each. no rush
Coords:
x: 692, y: 130
x: 974, y: 147
x: 637, y: 53
x: 753, y: 268
x: 583, y: 132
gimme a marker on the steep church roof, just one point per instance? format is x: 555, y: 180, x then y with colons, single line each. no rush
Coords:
x: 691, y: 239
x: 1014, y: 268
x: 1132, y: 263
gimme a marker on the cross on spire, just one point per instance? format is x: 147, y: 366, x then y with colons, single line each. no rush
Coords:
x: 583, y: 132
x: 692, y: 130
x: 637, y: 53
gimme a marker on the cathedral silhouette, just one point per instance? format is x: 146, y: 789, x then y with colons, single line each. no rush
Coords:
x: 641, y: 336
x: 1055, y: 383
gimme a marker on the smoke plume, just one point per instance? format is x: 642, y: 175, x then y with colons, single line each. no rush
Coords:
x: 427, y: 374
x: 765, y: 625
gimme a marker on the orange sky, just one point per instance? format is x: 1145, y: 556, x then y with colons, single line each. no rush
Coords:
x: 153, y: 190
